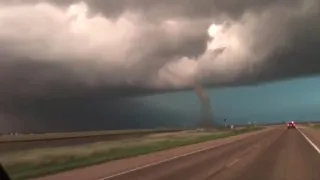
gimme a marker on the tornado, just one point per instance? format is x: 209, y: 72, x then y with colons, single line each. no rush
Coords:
x: 206, y: 107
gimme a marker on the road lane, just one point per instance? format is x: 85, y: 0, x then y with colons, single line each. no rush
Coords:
x: 290, y: 157
x: 279, y: 155
x: 207, y: 164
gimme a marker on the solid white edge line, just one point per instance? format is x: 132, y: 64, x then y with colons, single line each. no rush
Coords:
x: 309, y: 141
x: 163, y: 161
x: 166, y: 160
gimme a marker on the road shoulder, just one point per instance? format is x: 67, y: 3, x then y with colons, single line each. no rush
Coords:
x: 313, y: 135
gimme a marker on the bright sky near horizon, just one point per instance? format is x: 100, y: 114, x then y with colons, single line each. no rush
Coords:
x: 297, y: 99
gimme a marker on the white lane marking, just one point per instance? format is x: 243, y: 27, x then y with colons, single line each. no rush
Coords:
x: 232, y: 162
x: 167, y: 160
x: 163, y: 161
x: 310, y: 142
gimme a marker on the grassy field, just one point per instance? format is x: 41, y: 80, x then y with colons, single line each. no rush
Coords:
x: 315, y: 126
x: 39, y: 162
x: 9, y: 143
x: 68, y: 135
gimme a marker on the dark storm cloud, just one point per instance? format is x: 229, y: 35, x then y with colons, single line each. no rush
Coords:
x: 136, y: 59
x: 184, y: 8
x: 93, y: 56
x: 67, y: 60
x: 299, y: 58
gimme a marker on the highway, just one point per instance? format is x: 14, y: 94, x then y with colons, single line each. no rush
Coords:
x: 276, y: 154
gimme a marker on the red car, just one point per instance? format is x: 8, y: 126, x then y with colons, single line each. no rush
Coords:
x: 291, y: 125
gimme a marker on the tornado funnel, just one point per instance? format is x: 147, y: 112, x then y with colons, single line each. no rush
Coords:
x: 206, y: 110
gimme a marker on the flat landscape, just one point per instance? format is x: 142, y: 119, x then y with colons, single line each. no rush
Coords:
x: 31, y: 141
x: 270, y: 154
x: 241, y: 153
x: 39, y: 161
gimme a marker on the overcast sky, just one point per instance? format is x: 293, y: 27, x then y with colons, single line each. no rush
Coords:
x: 80, y: 46
x: 71, y: 52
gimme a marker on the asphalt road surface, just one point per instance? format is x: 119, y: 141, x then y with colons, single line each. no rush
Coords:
x: 277, y: 154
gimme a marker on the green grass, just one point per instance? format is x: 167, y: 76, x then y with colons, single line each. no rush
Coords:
x: 51, y: 136
x: 20, y: 171
x: 315, y: 126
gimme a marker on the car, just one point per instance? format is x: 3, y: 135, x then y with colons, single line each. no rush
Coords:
x: 291, y: 125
